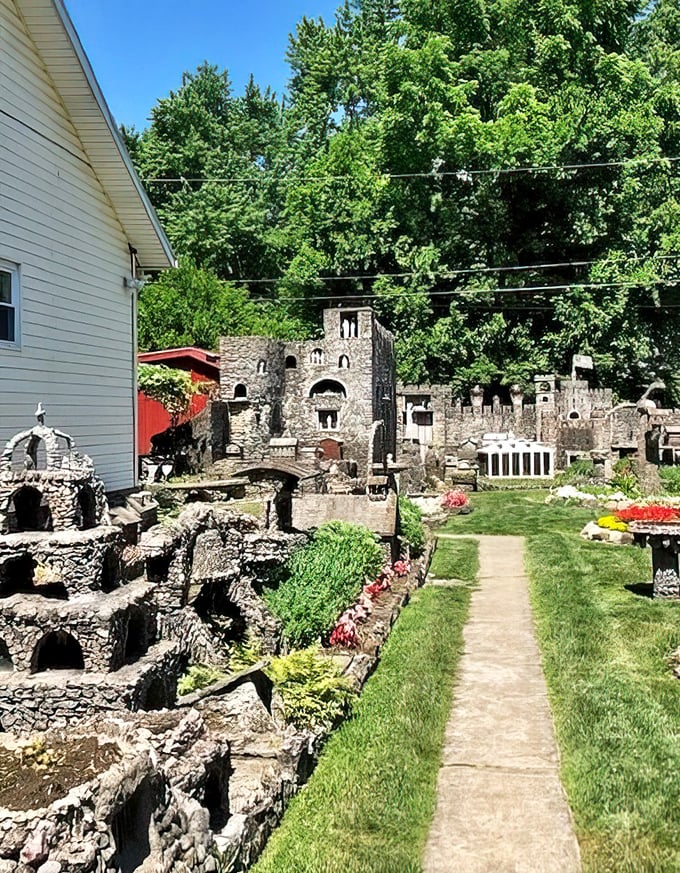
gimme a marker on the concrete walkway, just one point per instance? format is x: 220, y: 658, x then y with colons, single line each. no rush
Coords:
x: 500, y: 804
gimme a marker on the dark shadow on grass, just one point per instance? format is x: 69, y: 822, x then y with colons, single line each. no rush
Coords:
x: 641, y: 589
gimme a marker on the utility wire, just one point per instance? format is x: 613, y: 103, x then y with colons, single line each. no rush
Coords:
x: 462, y: 174
x: 467, y: 292
x: 467, y: 271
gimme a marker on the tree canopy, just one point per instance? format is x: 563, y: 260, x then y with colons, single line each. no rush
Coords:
x: 499, y: 178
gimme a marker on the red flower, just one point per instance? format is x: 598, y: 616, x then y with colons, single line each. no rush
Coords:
x: 653, y: 513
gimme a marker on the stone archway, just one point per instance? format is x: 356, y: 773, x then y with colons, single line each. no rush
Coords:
x: 29, y: 512
x: 57, y: 650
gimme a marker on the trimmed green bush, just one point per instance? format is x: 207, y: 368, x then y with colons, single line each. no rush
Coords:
x: 322, y: 579
x: 670, y: 480
x: 411, y: 526
x: 313, y: 690
x: 199, y: 676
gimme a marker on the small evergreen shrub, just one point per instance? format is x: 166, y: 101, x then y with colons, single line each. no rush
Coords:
x: 322, y: 579
x: 411, y: 526
x: 312, y: 688
x: 670, y: 480
x: 198, y: 676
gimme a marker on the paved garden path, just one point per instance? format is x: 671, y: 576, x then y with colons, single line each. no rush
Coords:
x: 500, y: 804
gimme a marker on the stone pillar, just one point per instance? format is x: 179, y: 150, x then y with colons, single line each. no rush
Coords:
x: 496, y: 405
x: 477, y: 400
x: 517, y: 400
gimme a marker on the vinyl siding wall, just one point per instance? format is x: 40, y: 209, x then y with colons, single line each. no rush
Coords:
x: 56, y: 223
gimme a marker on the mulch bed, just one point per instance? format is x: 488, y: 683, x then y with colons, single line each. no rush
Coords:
x: 26, y: 784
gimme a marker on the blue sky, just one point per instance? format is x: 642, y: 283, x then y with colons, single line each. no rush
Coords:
x: 140, y: 49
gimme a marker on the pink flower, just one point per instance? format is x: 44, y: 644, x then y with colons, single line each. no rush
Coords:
x: 455, y: 499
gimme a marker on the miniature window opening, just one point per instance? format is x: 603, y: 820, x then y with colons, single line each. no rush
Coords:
x: 328, y: 419
x: 156, y: 696
x: 349, y: 325
x: 57, y: 650
x: 240, y: 391
x: 157, y: 568
x: 137, y: 636
x: 574, y: 415
x: 110, y: 578
x: 6, y: 663
x: 291, y: 362
x: 31, y: 513
x: 328, y: 386
x: 87, y: 508
x: 9, y: 303
x: 316, y: 357
x: 261, y: 368
x: 130, y: 829
x: 16, y: 575
x: 343, y: 363
x: 215, y: 606
x: 216, y: 798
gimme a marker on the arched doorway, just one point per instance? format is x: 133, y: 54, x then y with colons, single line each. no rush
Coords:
x: 6, y: 662
x: 29, y: 511
x: 137, y: 638
x: 87, y: 508
x: 57, y: 650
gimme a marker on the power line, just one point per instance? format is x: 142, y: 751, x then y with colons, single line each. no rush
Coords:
x: 467, y: 292
x: 462, y: 174
x: 467, y: 271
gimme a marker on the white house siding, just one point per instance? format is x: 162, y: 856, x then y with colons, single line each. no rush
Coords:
x: 56, y: 222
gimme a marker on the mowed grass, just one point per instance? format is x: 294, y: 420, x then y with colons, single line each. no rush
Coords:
x: 368, y: 806
x: 615, y: 701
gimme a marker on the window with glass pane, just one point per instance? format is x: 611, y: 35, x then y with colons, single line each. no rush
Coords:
x: 7, y: 302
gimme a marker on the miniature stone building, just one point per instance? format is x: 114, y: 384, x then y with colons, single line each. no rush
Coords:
x: 568, y: 418
x: 76, y: 635
x: 304, y: 399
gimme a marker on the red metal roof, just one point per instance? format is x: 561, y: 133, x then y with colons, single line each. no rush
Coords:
x: 207, y: 363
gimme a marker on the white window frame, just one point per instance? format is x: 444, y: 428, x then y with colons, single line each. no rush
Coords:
x: 13, y: 270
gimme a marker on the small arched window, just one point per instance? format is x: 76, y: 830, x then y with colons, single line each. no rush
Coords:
x: 316, y: 357
x: 327, y: 386
x: 240, y: 391
x: 291, y: 362
x: 57, y: 650
x: 261, y: 368
x: 343, y: 363
x: 573, y: 415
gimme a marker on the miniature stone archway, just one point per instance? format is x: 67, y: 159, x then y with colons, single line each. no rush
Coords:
x: 137, y: 635
x: 156, y: 696
x: 130, y: 829
x: 29, y: 512
x: 57, y: 650
x: 87, y: 508
x: 216, y: 796
x: 291, y: 362
x: 343, y: 363
x: 327, y: 386
x: 240, y: 391
x: 6, y: 662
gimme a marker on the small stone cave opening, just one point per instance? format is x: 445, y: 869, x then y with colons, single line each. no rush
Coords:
x: 157, y: 696
x: 110, y: 578
x: 240, y: 392
x: 215, y: 607
x: 157, y: 568
x: 130, y: 829
x: 216, y: 796
x: 21, y: 575
x: 6, y: 662
x: 87, y: 508
x: 137, y: 635
x: 57, y: 650
x: 28, y: 511
x: 291, y: 362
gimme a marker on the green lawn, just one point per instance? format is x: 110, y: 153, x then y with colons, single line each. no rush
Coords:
x: 615, y: 702
x: 369, y: 804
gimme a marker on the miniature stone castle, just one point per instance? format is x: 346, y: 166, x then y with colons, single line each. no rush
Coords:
x: 303, y: 400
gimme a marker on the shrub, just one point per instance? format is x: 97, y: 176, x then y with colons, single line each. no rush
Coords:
x: 312, y: 688
x: 624, y: 478
x: 670, y: 480
x: 198, y: 676
x: 411, y: 526
x: 577, y: 473
x: 455, y: 499
x: 322, y: 579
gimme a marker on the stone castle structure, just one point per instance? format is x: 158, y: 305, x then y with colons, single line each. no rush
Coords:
x: 577, y: 421
x: 334, y: 397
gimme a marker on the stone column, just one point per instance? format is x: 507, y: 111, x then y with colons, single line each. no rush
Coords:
x: 477, y: 400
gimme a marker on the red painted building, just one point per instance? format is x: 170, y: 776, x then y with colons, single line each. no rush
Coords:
x: 152, y: 417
